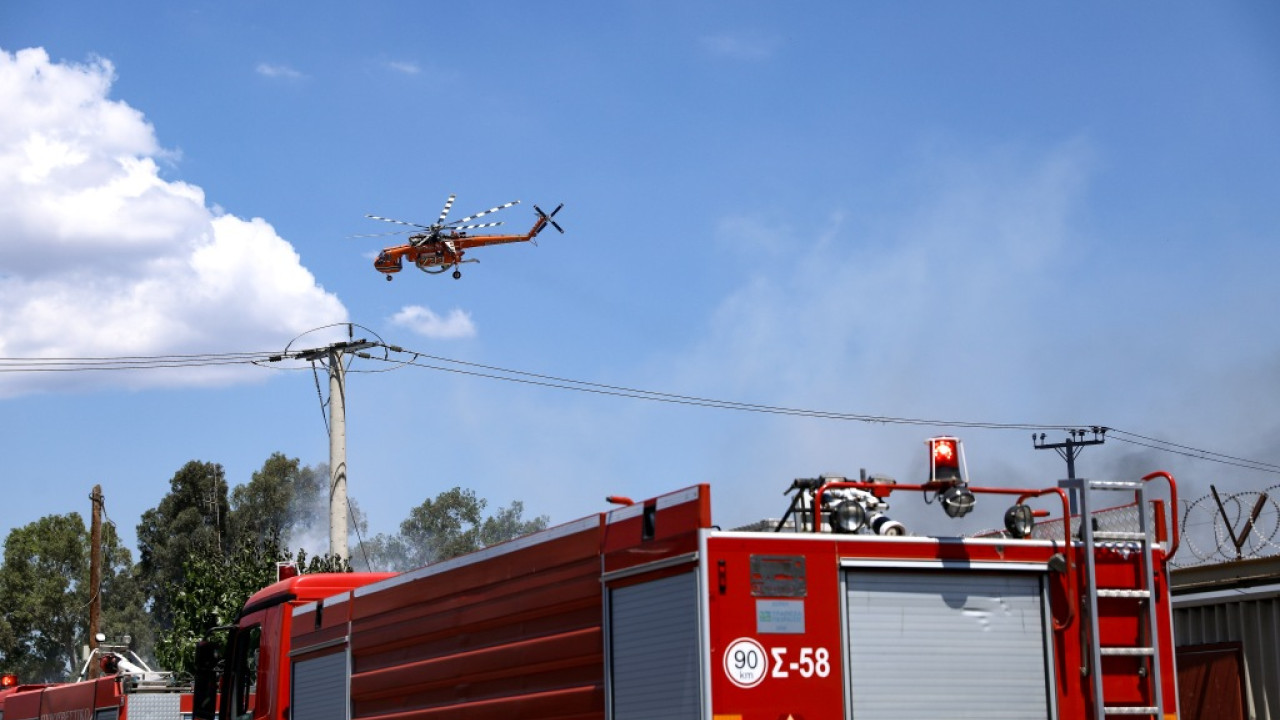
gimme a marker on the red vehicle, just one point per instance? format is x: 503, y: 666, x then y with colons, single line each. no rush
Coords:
x: 126, y: 691
x: 649, y: 611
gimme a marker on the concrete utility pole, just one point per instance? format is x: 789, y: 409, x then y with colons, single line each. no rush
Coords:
x: 337, y: 438
x: 337, y: 455
x: 95, y: 572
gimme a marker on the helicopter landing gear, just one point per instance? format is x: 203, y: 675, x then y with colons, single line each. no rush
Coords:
x: 457, y: 274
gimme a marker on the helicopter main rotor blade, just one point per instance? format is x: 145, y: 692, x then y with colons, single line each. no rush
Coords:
x: 448, y: 204
x: 486, y: 212
x: 398, y: 222
x: 481, y: 225
x: 385, y: 234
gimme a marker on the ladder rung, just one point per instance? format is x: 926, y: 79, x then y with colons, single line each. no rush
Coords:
x: 1118, y: 593
x: 1112, y: 535
x: 1129, y: 710
x: 1114, y: 485
x: 1127, y: 651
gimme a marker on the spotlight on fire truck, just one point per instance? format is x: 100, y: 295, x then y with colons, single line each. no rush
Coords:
x: 853, y: 509
x: 1019, y: 520
x: 957, y: 501
x: 947, y: 472
x: 848, y: 516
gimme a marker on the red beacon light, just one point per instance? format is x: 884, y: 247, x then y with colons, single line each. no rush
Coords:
x: 8, y: 681
x: 286, y: 569
x: 947, y: 473
x: 945, y: 464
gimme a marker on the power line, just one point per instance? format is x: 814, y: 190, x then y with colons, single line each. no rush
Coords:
x: 494, y: 372
x: 550, y: 381
x: 1197, y: 453
x: 136, y: 362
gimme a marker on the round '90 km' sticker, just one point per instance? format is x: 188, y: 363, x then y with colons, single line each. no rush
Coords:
x: 745, y: 662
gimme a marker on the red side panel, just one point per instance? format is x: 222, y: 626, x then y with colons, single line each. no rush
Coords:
x: 23, y: 704
x: 763, y: 676
x: 656, y: 530
x: 70, y: 701
x: 513, y: 631
x: 321, y: 622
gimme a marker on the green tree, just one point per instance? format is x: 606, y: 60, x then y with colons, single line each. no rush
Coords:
x: 44, y: 588
x: 215, y: 589
x: 280, y: 499
x: 192, y: 520
x: 211, y: 586
x: 42, y: 598
x: 449, y: 525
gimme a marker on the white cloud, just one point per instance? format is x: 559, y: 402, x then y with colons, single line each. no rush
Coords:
x: 407, y: 68
x: 457, y: 324
x: 747, y: 46
x: 101, y: 256
x: 278, y: 71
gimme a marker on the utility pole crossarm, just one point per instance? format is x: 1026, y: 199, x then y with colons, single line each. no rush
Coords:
x: 1070, y: 449
x: 341, y: 347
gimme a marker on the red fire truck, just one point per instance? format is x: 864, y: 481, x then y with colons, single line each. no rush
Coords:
x: 127, y: 690
x: 650, y: 611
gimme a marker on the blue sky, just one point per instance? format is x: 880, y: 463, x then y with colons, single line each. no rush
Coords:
x: 1050, y: 213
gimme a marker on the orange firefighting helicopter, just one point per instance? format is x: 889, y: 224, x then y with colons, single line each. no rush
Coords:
x: 436, y: 248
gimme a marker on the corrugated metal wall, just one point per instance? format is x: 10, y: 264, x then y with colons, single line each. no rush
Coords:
x: 1255, y: 623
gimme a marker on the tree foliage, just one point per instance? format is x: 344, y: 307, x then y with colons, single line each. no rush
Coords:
x: 39, y: 587
x: 216, y: 588
x: 44, y: 588
x: 192, y: 520
x: 449, y: 525
x: 281, y: 499
x: 203, y: 551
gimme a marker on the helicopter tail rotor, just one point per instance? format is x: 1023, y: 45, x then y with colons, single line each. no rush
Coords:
x: 548, y: 217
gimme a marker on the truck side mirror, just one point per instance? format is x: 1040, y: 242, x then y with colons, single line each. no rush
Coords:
x: 204, y: 704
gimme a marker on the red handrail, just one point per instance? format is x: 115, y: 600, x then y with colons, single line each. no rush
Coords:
x: 1023, y: 494
x: 1175, y: 535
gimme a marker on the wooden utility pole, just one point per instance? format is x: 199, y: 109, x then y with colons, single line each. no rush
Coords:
x: 95, y: 572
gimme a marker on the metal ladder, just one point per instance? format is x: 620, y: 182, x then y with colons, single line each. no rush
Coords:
x: 1143, y: 540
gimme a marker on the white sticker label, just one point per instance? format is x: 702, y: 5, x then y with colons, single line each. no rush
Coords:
x: 746, y: 663
x: 780, y: 616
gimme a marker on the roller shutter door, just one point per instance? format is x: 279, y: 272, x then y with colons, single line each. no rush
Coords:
x: 320, y: 688
x: 654, y: 650
x: 941, y: 644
